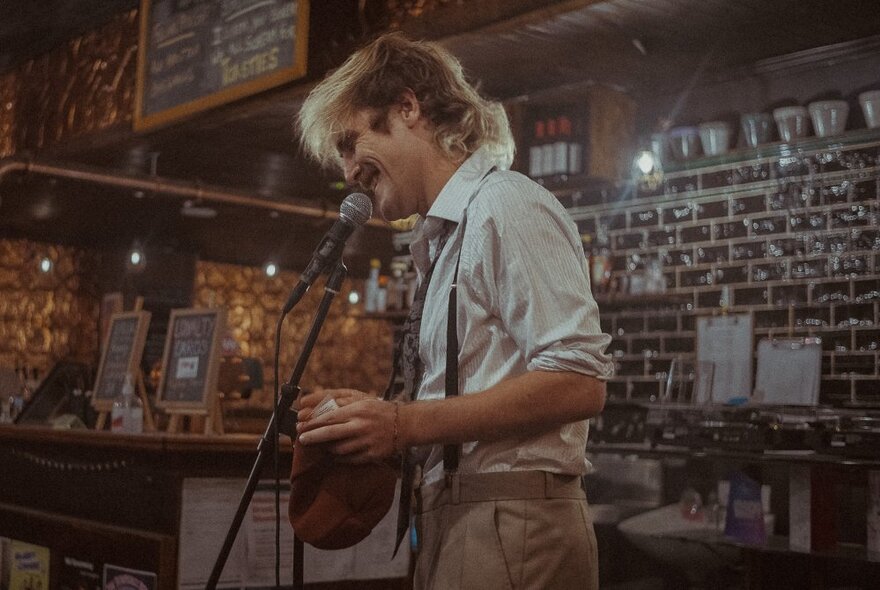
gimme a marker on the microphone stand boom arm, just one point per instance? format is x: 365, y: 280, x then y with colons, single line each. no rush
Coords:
x: 289, y: 392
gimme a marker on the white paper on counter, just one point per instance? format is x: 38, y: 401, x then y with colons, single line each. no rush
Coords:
x: 208, y: 507
x: 373, y: 554
x: 258, y: 530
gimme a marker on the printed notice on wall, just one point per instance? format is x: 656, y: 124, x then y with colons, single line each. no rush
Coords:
x: 80, y: 574
x: 726, y: 341
x: 28, y: 565
x: 208, y: 507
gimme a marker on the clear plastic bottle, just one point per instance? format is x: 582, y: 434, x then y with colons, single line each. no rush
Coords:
x: 536, y: 152
x: 127, y: 415
x: 371, y: 296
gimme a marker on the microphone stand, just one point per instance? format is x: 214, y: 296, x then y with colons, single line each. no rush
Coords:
x: 289, y: 392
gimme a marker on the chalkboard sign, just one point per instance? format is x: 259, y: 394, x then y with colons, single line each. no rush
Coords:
x: 191, y: 360
x: 197, y: 54
x: 121, y: 355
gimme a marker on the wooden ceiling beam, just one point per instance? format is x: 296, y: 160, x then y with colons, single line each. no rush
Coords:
x: 487, y: 16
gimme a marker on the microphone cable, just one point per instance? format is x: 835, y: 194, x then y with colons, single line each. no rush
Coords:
x: 275, y: 452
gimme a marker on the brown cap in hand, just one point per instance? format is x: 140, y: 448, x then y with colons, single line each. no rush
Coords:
x: 336, y: 505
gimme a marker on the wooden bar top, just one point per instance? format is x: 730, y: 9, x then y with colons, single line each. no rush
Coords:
x: 12, y: 434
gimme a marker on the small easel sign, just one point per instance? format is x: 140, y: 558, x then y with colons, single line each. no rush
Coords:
x: 122, y: 354
x: 190, y: 364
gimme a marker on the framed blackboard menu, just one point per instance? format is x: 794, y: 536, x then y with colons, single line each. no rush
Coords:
x: 121, y: 355
x: 191, y: 360
x: 197, y: 54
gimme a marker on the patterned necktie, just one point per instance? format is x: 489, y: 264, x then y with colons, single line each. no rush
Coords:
x: 408, y: 361
x: 406, y: 354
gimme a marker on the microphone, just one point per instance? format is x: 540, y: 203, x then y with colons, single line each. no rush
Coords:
x: 355, y: 211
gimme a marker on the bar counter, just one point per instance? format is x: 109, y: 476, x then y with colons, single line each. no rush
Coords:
x: 104, y: 497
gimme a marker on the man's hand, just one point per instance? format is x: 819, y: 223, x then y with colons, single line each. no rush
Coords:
x: 307, y: 403
x: 361, y: 430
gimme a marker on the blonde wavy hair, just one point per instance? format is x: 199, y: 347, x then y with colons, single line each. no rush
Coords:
x: 376, y: 76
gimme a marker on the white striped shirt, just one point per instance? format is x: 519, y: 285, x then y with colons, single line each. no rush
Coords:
x: 524, y: 304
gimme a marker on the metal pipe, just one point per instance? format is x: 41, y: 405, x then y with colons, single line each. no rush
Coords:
x: 159, y: 185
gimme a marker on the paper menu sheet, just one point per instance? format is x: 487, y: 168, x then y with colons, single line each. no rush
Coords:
x: 789, y: 372
x: 208, y: 507
x: 726, y: 341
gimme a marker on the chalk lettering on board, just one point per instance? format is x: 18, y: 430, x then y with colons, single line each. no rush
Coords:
x: 200, y: 53
x: 189, y: 360
x: 121, y: 355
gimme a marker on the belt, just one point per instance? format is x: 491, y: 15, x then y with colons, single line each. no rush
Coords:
x: 505, y: 485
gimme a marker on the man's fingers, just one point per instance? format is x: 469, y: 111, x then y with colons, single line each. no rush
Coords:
x: 344, y: 397
x: 310, y: 400
x: 313, y: 435
x: 308, y: 423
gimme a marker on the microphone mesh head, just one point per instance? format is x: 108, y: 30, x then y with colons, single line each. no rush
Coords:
x: 356, y: 209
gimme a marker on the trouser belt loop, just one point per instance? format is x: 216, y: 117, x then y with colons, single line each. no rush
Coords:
x: 548, y: 484
x: 453, y: 484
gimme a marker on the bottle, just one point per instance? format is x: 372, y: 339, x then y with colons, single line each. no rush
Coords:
x: 371, y: 289
x: 600, y: 263
x: 396, y: 299
x: 574, y: 147
x: 536, y: 166
x: 382, y: 294
x: 128, y: 414
x: 560, y: 148
x: 549, y: 149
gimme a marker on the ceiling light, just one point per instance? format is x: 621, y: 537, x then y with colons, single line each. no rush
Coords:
x: 271, y: 269
x: 136, y: 259
x: 45, y: 264
x: 645, y: 161
x: 354, y: 297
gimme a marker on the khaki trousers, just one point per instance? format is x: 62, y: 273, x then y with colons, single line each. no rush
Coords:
x: 526, y: 530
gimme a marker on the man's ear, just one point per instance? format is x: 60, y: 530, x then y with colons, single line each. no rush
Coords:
x: 410, y: 109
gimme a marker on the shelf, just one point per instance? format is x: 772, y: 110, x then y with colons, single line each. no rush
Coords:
x: 799, y: 457
x: 382, y: 315
x: 771, y: 152
x: 625, y: 299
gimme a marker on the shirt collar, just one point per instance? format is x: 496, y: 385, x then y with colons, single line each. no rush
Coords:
x: 453, y: 199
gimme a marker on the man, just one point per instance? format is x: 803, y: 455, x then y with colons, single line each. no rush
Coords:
x: 401, y: 121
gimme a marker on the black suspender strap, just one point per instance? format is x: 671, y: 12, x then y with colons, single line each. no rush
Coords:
x: 451, y: 453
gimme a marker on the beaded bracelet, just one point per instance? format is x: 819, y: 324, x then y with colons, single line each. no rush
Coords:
x: 395, y: 435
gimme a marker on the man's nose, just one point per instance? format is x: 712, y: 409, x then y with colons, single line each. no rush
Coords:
x: 351, y: 170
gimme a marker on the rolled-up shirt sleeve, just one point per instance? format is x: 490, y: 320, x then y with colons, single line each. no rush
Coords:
x: 535, y: 277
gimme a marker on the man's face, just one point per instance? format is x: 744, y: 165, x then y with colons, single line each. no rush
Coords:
x: 380, y: 157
